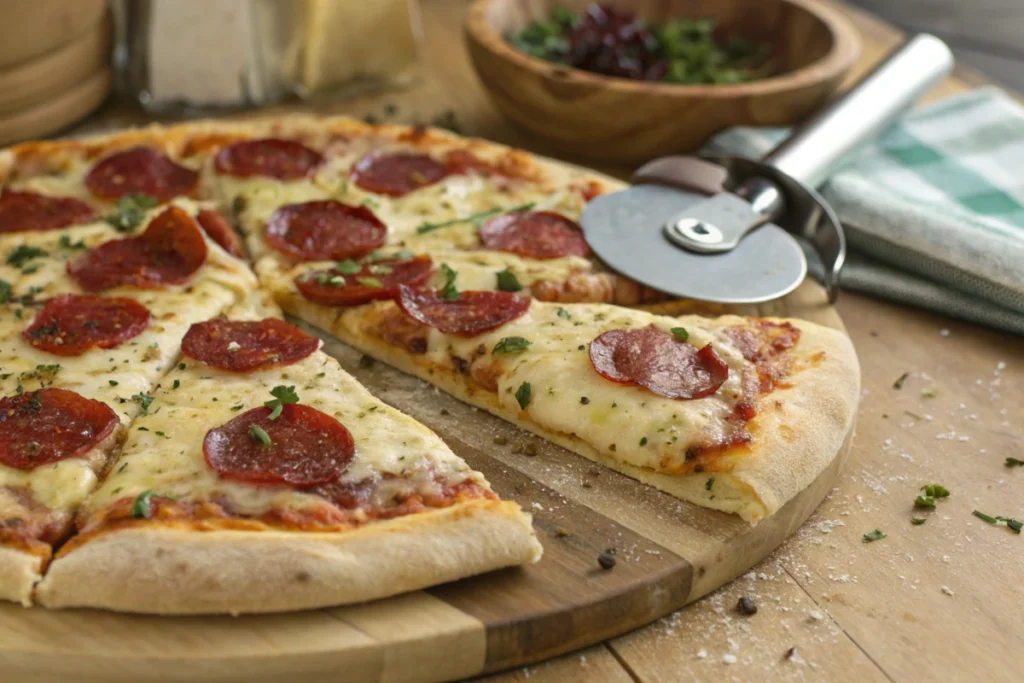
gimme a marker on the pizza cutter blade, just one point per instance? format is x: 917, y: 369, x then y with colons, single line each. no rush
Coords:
x: 728, y: 229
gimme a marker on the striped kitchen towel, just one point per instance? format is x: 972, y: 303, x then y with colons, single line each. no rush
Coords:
x: 934, y: 209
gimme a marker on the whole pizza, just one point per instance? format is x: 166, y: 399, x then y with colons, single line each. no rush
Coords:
x: 169, y: 443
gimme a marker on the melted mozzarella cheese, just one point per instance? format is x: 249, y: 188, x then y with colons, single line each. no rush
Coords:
x: 121, y: 376
x: 454, y: 197
x: 164, y: 450
x: 567, y: 396
x: 59, y: 486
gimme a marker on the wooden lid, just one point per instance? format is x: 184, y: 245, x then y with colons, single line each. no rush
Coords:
x: 29, y: 84
x: 32, y: 28
x: 56, y: 112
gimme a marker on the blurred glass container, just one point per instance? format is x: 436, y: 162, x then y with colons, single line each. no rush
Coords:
x: 191, y: 57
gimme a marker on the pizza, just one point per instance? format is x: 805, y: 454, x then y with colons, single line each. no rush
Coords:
x: 169, y: 443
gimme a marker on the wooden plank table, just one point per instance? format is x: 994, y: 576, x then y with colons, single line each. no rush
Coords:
x: 939, y: 601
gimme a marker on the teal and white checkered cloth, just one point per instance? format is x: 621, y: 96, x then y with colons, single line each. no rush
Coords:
x: 934, y: 209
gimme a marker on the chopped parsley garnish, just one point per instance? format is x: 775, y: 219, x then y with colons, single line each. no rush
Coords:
x: 562, y: 313
x: 66, y: 243
x: 477, y: 219
x: 144, y: 401
x: 507, y: 281
x: 142, y: 508
x: 511, y: 345
x: 983, y: 517
x: 235, y: 409
x: 369, y: 282
x: 917, y: 521
x: 931, y: 493
x: 898, y: 384
x: 131, y: 209
x: 371, y: 203
x: 177, y: 383
x: 680, y: 333
x: 873, y: 535
x: 1014, y: 462
x: 7, y: 295
x: 711, y: 482
x: 256, y: 432
x: 643, y: 441
x: 929, y: 393
x: 23, y: 254
x: 1013, y: 525
x: 282, y: 396
x: 347, y: 267
x: 449, y: 291
x: 112, y: 383
x: 523, y: 394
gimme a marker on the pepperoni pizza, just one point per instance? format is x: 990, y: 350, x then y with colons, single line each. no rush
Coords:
x: 158, y: 413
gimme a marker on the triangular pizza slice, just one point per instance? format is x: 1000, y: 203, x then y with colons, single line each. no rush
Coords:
x: 264, y: 478
x: 90, y: 318
x: 736, y: 414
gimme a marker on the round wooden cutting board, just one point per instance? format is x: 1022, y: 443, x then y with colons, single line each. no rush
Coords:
x: 669, y: 553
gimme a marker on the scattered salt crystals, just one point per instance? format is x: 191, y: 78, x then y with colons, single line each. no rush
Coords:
x: 946, y: 590
x: 826, y: 526
x: 583, y: 660
x: 945, y: 558
x: 943, y: 332
x: 1000, y: 366
x: 815, y: 615
x: 702, y: 653
x: 729, y: 658
x: 750, y: 576
x: 538, y: 506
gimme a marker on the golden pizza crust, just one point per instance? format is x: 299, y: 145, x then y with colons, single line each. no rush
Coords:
x: 171, y: 571
x: 19, y: 572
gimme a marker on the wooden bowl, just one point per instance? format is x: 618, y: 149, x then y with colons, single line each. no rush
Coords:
x: 616, y: 120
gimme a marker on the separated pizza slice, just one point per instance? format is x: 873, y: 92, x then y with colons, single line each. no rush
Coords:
x: 264, y: 478
x: 89, y: 321
x: 736, y: 414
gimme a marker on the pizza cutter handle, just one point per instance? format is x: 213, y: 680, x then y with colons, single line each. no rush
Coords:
x: 859, y: 116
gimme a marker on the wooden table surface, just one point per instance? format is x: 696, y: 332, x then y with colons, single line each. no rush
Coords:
x: 940, y: 601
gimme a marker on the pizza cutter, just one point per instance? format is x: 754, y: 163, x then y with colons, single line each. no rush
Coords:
x: 726, y: 229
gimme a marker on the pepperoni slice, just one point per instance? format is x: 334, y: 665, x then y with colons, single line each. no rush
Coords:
x: 534, y: 234
x: 321, y: 230
x: 374, y: 280
x: 306, y: 447
x: 28, y: 211
x: 220, y: 231
x: 269, y: 157
x: 71, y: 324
x: 140, y: 170
x: 654, y: 359
x: 240, y: 346
x: 170, y: 250
x: 42, y: 427
x: 468, y: 315
x: 397, y: 174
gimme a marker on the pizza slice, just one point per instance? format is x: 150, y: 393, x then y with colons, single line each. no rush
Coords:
x: 264, y: 478
x: 736, y: 414
x: 89, y: 321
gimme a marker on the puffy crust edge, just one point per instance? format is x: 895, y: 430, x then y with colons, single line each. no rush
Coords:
x: 19, y: 571
x: 173, y: 571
